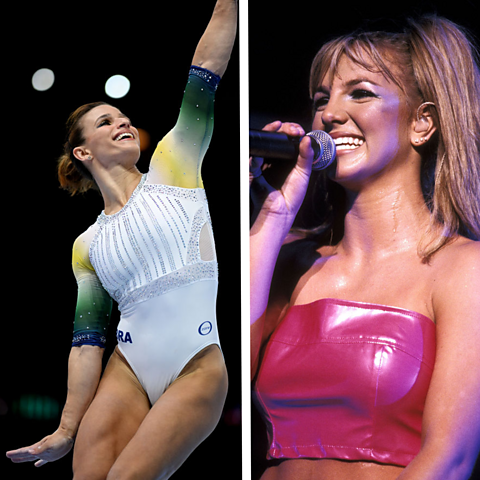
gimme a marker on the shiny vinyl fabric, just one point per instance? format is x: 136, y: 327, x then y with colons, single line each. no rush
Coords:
x: 346, y: 380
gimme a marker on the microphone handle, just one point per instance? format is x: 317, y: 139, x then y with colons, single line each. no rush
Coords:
x: 277, y: 145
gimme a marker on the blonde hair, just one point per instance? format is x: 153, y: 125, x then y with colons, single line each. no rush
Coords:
x: 438, y: 64
x: 72, y: 174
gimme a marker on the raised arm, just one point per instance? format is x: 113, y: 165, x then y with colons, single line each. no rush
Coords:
x: 178, y: 157
x: 214, y: 48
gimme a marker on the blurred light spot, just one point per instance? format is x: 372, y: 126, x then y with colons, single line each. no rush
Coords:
x: 144, y: 139
x: 36, y: 407
x: 43, y: 79
x: 117, y: 86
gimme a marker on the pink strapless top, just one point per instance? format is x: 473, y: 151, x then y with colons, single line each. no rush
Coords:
x: 346, y: 380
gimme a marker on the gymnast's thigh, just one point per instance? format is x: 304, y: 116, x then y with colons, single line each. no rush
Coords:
x: 119, y: 407
x: 178, y: 422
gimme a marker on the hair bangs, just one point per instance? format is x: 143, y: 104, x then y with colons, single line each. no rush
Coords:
x: 375, y: 52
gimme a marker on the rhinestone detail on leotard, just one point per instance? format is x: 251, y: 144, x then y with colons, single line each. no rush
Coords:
x: 151, y: 246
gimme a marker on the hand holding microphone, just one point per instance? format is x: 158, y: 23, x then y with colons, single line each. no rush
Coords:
x: 280, y: 146
x: 280, y: 142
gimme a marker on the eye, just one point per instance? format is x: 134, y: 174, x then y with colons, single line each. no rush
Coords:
x: 103, y: 122
x: 362, y: 93
x: 320, y: 102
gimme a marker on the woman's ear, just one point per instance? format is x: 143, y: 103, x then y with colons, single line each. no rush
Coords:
x: 423, y: 125
x: 82, y: 154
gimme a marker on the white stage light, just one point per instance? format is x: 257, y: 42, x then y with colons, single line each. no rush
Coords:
x: 117, y: 86
x: 43, y: 79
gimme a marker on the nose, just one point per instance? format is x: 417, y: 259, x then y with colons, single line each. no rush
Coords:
x: 334, y: 113
x: 123, y: 122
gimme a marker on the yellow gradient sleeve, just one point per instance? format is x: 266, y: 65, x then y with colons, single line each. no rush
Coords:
x: 178, y: 157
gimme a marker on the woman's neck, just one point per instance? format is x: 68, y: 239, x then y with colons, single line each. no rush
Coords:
x: 117, y: 186
x: 384, y: 221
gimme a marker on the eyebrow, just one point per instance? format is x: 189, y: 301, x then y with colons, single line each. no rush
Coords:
x: 350, y: 83
x: 356, y: 81
x: 106, y: 115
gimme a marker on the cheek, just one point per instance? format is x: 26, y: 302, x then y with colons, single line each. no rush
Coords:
x: 317, y: 123
x: 93, y: 136
x: 386, y: 130
x: 96, y: 146
x: 99, y: 141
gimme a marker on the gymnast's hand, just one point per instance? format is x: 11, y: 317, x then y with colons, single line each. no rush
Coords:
x: 49, y: 449
x: 287, y: 200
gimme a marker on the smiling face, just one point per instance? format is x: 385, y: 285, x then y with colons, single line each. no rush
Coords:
x: 369, y: 118
x: 109, y: 137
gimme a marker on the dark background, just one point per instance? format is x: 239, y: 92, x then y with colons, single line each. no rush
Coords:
x: 284, y: 38
x: 151, y: 43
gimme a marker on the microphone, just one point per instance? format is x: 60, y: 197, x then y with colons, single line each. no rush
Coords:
x: 280, y: 146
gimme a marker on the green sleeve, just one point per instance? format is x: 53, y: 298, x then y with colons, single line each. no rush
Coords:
x: 94, y: 304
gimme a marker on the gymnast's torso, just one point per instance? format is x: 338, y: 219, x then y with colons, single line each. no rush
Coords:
x: 156, y: 256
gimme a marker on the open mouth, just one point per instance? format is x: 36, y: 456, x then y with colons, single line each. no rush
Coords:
x: 124, y: 136
x: 348, y: 143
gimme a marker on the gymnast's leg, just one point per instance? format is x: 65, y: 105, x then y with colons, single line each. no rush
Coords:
x: 179, y: 421
x: 118, y: 409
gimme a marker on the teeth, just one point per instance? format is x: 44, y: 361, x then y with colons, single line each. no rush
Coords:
x: 124, y: 135
x: 348, y: 143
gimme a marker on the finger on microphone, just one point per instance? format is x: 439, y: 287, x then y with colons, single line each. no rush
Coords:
x: 306, y: 152
x: 306, y: 149
x: 273, y: 127
x: 294, y: 130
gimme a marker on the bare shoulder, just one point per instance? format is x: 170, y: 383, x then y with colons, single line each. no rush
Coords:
x: 460, y: 258
x: 457, y: 280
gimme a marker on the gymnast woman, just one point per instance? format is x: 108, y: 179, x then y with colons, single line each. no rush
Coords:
x: 152, y: 251
x: 366, y: 329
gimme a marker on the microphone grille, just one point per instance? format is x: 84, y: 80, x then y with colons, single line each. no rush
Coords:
x: 327, y: 149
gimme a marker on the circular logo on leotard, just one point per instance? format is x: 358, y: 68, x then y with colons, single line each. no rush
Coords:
x: 205, y: 328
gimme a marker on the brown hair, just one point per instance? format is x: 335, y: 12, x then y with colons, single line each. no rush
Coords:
x: 72, y: 174
x: 438, y: 64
